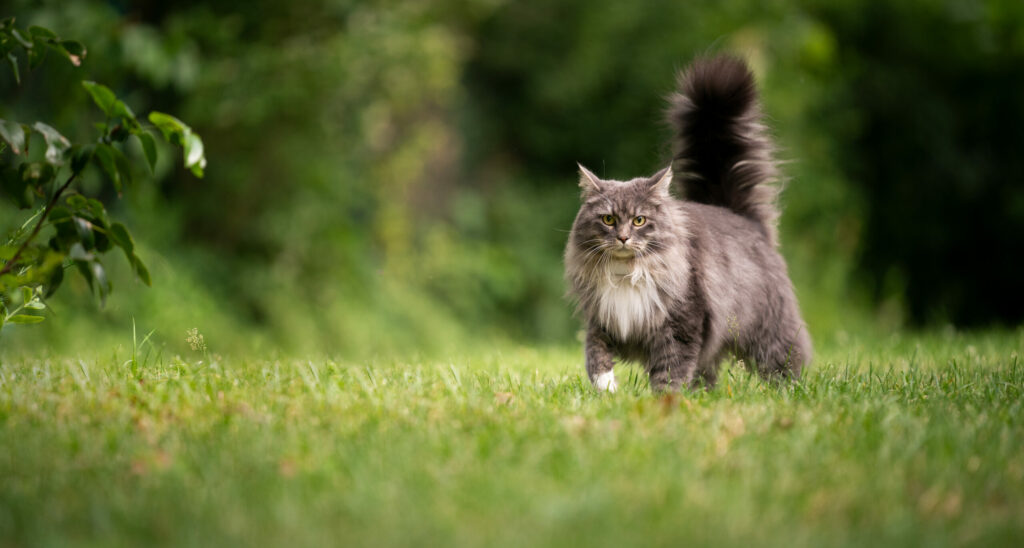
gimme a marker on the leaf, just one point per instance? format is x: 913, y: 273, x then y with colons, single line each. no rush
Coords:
x: 55, y: 280
x: 25, y: 42
x: 37, y: 174
x: 148, y: 147
x: 80, y: 156
x: 119, y: 234
x: 104, y: 155
x: 14, y: 186
x: 101, y: 95
x: 75, y: 51
x: 123, y: 167
x: 25, y: 318
x: 77, y: 201
x: 15, y: 135
x: 67, y: 233
x: 98, y: 211
x: 36, y: 305
x: 41, y: 32
x: 26, y: 294
x: 102, y: 241
x: 14, y: 67
x: 103, y: 285
x: 120, y: 109
x: 140, y: 270
x: 171, y: 127
x: 84, y: 229
x: 56, y: 144
x: 37, y: 54
x: 177, y: 132
x: 195, y: 160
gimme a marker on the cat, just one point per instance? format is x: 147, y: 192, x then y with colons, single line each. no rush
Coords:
x: 676, y: 284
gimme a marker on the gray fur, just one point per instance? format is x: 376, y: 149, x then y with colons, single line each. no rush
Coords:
x: 701, y: 277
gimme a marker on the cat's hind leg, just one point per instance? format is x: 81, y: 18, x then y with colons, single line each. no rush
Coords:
x: 781, y: 354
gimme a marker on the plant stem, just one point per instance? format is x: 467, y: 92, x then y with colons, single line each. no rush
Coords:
x: 39, y: 225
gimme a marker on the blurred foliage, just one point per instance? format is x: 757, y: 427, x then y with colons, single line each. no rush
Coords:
x: 76, y: 227
x: 398, y: 176
x: 934, y: 89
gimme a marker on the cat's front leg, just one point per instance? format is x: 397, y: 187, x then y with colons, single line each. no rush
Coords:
x: 600, y: 363
x: 672, y: 361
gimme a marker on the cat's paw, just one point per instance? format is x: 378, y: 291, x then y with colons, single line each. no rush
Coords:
x: 606, y: 381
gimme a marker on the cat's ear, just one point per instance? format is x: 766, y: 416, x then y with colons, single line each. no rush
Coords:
x: 661, y: 181
x: 588, y: 181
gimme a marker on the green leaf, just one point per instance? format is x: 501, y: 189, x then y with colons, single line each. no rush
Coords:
x: 16, y: 188
x: 148, y: 147
x: 14, y: 67
x: 25, y: 42
x: 98, y: 211
x: 195, y: 159
x: 24, y: 318
x: 56, y: 144
x: 36, y: 305
x: 77, y: 201
x: 41, y: 32
x: 84, y: 229
x: 80, y: 156
x: 6, y: 23
x: 103, y: 285
x: 101, y: 95
x: 105, y: 156
x: 119, y: 234
x: 120, y: 109
x: 123, y: 167
x: 37, y: 174
x: 74, y: 51
x: 56, y: 277
x: 67, y: 233
x: 177, y: 132
x: 102, y: 241
x: 140, y: 270
x: 37, y: 53
x: 26, y: 294
x: 15, y: 135
x: 172, y: 128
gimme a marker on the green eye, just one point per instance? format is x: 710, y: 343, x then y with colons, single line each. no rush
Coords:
x: 608, y: 220
x: 639, y: 220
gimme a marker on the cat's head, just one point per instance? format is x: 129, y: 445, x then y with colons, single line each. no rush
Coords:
x: 620, y: 220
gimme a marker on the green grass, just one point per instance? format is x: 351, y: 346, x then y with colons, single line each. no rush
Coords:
x: 905, y: 441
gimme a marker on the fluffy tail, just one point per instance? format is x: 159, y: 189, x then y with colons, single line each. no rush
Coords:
x: 722, y: 153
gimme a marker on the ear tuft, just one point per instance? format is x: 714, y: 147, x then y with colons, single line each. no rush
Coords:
x: 661, y: 181
x: 588, y: 181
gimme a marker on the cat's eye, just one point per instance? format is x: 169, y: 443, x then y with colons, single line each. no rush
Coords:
x: 608, y: 220
x: 639, y: 220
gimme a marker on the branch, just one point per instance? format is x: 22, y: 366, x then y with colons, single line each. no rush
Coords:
x: 39, y: 225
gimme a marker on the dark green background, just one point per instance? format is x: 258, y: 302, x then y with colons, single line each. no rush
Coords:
x: 400, y: 176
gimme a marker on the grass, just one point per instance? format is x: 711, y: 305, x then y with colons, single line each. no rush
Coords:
x: 905, y: 441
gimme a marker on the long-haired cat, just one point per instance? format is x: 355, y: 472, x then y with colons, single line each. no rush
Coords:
x: 675, y: 284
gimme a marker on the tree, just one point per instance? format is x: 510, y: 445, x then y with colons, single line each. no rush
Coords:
x: 68, y: 229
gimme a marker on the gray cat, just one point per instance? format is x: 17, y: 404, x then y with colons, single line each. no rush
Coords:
x: 675, y: 284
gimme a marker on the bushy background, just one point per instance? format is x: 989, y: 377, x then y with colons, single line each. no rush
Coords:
x: 396, y: 177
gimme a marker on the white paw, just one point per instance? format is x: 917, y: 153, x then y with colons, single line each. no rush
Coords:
x: 606, y: 381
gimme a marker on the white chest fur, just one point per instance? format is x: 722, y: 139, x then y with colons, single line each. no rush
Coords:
x: 628, y: 302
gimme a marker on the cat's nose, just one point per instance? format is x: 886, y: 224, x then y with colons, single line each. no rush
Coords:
x: 623, y: 238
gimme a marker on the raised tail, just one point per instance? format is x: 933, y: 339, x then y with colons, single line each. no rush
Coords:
x: 722, y: 153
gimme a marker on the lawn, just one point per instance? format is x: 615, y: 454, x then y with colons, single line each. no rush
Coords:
x: 908, y: 440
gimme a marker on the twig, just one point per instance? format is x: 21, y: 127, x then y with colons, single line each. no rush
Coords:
x: 39, y: 225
